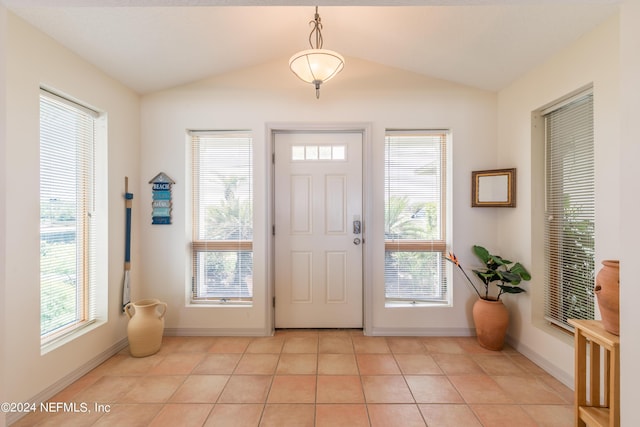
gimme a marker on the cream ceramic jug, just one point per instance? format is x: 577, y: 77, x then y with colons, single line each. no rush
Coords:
x: 146, y: 326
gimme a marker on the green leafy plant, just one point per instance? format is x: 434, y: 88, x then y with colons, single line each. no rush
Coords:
x: 506, y: 275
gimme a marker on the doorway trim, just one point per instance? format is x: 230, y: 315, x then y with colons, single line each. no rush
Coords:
x: 365, y: 129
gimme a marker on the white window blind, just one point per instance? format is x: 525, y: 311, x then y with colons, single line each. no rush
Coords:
x: 67, y: 233
x: 415, y: 212
x: 222, y: 247
x: 570, y: 211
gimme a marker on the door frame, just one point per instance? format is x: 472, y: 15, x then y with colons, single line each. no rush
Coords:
x: 365, y: 130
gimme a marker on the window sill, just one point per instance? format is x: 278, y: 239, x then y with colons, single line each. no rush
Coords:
x: 564, y: 336
x: 219, y: 304
x: 421, y: 304
x: 69, y: 336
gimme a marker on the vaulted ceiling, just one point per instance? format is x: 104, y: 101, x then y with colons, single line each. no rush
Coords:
x: 151, y: 45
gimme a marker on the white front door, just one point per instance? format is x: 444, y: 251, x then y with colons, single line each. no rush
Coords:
x: 318, y: 246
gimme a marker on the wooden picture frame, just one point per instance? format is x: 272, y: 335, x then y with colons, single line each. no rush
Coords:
x: 493, y: 188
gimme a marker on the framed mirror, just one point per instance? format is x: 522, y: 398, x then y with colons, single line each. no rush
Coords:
x: 493, y: 188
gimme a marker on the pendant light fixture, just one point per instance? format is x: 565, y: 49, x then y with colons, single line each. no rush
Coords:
x: 316, y: 65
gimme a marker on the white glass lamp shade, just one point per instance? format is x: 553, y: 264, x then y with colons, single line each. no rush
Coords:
x: 316, y: 65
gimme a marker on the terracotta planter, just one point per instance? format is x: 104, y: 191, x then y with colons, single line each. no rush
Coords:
x: 491, y: 319
x: 607, y: 291
x: 146, y: 325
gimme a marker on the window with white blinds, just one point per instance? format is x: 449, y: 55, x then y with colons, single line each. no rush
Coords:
x: 415, y: 212
x: 67, y: 231
x: 222, y: 246
x: 570, y: 210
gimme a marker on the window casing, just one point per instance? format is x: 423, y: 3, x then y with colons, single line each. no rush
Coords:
x: 67, y: 216
x: 415, y: 217
x: 222, y: 205
x: 569, y: 211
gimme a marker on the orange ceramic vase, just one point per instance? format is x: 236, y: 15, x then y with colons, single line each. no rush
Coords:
x: 607, y: 291
x: 146, y: 326
x: 491, y: 319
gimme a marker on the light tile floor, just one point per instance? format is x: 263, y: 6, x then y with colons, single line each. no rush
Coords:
x: 322, y: 378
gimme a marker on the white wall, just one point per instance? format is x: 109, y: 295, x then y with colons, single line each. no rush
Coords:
x: 629, y: 207
x: 593, y: 59
x: 3, y: 182
x: 269, y: 94
x: 251, y: 99
x: 33, y: 59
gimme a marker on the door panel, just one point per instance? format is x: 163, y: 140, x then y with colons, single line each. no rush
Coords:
x: 336, y: 277
x: 335, y: 204
x: 300, y: 205
x: 318, y: 194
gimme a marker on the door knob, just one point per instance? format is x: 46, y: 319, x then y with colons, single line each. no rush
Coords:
x: 356, y: 241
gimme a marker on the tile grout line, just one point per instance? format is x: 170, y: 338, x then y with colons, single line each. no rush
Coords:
x: 119, y: 369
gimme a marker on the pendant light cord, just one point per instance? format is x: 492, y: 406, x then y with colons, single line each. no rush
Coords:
x: 317, y: 27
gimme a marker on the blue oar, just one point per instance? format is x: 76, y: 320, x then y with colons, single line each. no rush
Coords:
x: 126, y: 290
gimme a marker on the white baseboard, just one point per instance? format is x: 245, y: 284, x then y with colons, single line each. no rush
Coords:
x: 545, y: 364
x: 528, y: 352
x: 70, y: 378
x: 422, y: 332
x: 82, y: 370
x: 214, y: 332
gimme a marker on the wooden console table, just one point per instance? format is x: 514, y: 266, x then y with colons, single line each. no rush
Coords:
x: 589, y: 409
